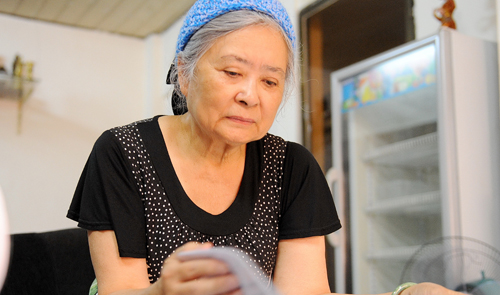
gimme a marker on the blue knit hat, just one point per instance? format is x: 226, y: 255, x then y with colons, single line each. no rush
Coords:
x: 204, y: 11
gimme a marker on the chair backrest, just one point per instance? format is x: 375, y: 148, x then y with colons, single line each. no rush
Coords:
x: 4, y: 239
x: 55, y: 262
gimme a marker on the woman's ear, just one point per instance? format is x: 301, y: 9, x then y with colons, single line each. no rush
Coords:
x: 181, y: 77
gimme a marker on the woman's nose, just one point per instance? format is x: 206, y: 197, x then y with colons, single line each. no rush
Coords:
x: 248, y: 95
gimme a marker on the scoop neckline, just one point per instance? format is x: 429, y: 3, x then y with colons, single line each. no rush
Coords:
x: 227, y: 222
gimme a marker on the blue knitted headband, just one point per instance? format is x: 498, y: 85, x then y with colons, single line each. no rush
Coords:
x: 204, y: 11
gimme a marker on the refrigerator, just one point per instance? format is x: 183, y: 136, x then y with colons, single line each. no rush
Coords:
x: 416, y: 143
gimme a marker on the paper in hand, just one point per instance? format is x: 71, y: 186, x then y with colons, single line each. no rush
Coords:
x: 234, y: 258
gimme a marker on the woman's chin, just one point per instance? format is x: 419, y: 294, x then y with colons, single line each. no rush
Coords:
x: 239, y: 138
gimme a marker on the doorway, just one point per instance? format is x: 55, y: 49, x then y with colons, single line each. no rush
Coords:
x: 335, y: 34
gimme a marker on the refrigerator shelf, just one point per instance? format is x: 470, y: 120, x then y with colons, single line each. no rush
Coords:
x: 428, y: 203
x: 415, y: 152
x: 392, y: 253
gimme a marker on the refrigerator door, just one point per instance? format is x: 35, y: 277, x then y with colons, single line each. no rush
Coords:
x: 386, y: 147
x: 470, y: 137
x: 416, y: 150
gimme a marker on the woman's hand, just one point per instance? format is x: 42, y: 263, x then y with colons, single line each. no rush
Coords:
x: 429, y: 289
x: 196, y: 277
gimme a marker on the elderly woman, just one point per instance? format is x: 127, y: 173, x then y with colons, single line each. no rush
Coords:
x: 212, y: 175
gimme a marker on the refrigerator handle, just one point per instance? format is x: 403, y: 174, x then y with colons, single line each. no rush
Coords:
x: 332, y: 177
x: 338, y: 239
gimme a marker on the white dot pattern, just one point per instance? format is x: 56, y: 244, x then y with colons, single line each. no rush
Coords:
x: 166, y: 232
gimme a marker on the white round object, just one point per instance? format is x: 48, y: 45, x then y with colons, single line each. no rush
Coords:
x: 4, y: 240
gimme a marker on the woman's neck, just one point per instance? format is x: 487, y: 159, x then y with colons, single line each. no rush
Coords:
x: 193, y: 143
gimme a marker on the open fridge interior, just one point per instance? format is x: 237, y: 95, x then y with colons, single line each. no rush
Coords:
x: 390, y: 153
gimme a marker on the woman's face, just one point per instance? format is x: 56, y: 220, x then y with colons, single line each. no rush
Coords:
x: 238, y: 85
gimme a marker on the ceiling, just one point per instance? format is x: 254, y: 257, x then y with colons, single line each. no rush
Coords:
x: 136, y: 18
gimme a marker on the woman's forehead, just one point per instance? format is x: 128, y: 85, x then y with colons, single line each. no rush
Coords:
x: 239, y: 59
x: 255, y: 45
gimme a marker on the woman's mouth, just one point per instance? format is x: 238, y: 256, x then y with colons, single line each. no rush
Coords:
x: 241, y: 120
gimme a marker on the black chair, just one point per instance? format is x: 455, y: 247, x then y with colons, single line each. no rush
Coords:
x: 55, y: 262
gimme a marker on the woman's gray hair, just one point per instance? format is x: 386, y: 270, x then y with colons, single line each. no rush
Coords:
x: 227, y: 23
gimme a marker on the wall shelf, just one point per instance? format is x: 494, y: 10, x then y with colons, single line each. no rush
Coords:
x: 18, y: 89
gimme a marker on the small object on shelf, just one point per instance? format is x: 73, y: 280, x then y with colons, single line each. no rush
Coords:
x: 2, y: 66
x: 445, y: 14
x: 17, y: 67
x: 29, y: 70
x: 18, y: 86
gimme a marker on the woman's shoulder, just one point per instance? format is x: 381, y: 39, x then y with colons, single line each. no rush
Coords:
x: 110, y: 139
x: 293, y: 149
x: 299, y: 158
x: 133, y: 125
x: 270, y: 141
x: 296, y: 156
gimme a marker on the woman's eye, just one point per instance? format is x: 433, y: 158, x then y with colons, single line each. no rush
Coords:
x: 232, y: 74
x: 270, y: 83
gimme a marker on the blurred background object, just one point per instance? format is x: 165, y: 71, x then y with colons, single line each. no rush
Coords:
x: 445, y: 14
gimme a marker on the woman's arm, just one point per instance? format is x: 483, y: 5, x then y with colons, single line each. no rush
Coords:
x: 301, y: 267
x: 129, y: 276
x: 301, y: 270
x: 115, y: 273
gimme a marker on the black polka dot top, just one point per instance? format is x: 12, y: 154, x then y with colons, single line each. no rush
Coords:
x: 250, y: 223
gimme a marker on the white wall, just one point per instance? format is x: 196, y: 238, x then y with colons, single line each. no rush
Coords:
x: 91, y: 81
x: 88, y: 81
x: 288, y: 123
